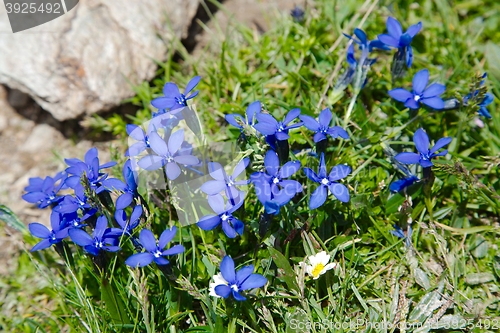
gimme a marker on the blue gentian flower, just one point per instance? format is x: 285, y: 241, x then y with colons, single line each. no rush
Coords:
x: 274, y: 183
x: 173, y: 99
x: 425, y: 154
x: 137, y: 133
x: 269, y: 126
x: 225, y: 183
x: 128, y: 224
x: 43, y: 192
x: 154, y: 251
x: 420, y: 94
x: 76, y: 219
x: 129, y: 187
x: 399, y: 185
x: 49, y: 237
x: 103, y: 238
x: 322, y: 126
x: 399, y: 233
x: 487, y: 100
x: 234, y: 282
x: 73, y: 203
x: 90, y: 167
x: 297, y: 13
x: 224, y: 215
x: 328, y: 182
x: 167, y: 155
x: 399, y: 40
x: 237, y: 120
x: 364, y: 43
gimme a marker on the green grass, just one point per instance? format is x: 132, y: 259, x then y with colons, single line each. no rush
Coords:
x: 450, y: 275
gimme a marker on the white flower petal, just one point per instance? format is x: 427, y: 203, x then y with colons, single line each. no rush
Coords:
x: 218, y: 280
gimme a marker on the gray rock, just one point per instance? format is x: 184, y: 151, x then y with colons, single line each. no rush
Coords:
x: 88, y: 59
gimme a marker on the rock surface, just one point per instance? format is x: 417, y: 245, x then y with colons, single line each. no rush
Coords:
x: 86, y: 60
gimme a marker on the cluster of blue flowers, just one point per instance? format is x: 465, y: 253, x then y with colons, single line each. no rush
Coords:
x: 87, y: 202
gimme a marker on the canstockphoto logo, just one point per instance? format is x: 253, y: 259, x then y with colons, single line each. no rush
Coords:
x: 27, y: 14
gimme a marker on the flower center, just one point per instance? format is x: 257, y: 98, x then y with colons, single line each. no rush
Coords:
x: 234, y: 287
x: 53, y: 236
x: 325, y: 181
x: 416, y: 98
x: 97, y: 243
x: 157, y: 253
x: 276, y: 180
x: 317, y: 270
x: 181, y: 100
x: 281, y: 127
x: 224, y: 217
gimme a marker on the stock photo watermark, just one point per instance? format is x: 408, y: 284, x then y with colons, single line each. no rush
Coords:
x: 27, y: 14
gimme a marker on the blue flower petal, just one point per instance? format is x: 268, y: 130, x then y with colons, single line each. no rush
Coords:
x: 318, y: 197
x: 148, y: 240
x: 394, y: 28
x: 41, y: 245
x: 209, y: 222
x: 420, y: 81
x: 253, y: 281
x: 340, y: 191
x: 433, y: 90
x: 440, y: 144
x: 139, y: 260
x: 271, y: 162
x: 400, y: 94
x: 223, y: 290
x: 176, y: 249
x: 421, y: 140
x: 408, y: 158
x: 166, y: 236
x: 80, y: 237
x: 227, y: 269
x: 436, y: 103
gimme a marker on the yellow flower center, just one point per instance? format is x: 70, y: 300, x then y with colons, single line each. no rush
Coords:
x: 317, y: 270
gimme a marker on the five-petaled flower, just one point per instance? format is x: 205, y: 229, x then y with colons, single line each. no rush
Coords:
x: 224, y: 215
x: 328, y: 182
x: 397, y: 39
x: 223, y: 182
x: 103, y: 238
x: 128, y: 187
x: 154, y: 251
x: 232, y: 282
x: 49, y: 237
x: 322, y: 126
x: 128, y: 224
x: 44, y: 191
x: 173, y: 99
x: 274, y: 184
x: 269, y: 126
x: 167, y: 155
x: 420, y: 94
x: 425, y: 154
x: 318, y: 265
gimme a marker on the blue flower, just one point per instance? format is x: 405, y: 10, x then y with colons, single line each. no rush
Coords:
x: 90, y: 167
x: 225, y: 183
x: 154, y: 251
x: 364, y: 43
x: 425, y: 154
x: 73, y: 203
x: 224, y: 215
x: 420, y: 94
x: 128, y: 224
x: 74, y: 220
x: 322, y: 127
x: 44, y: 191
x: 49, y: 237
x: 234, y: 282
x: 173, y: 99
x: 487, y: 100
x: 328, y: 182
x: 274, y: 184
x: 237, y: 120
x: 399, y: 233
x: 397, y: 39
x: 166, y: 155
x: 129, y: 187
x: 297, y: 13
x: 269, y: 126
x: 103, y: 238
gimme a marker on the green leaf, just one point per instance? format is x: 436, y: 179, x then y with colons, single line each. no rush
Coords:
x: 114, y: 304
x: 11, y: 219
x: 282, y: 263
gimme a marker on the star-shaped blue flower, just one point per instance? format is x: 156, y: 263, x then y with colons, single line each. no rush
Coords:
x: 167, y: 155
x: 223, y: 215
x: 328, y: 182
x: 223, y: 182
x: 269, y: 126
x: 364, y: 43
x: 43, y: 192
x: 90, y: 167
x: 274, y: 184
x: 49, y: 237
x: 103, y: 238
x: 239, y: 281
x: 237, y: 120
x: 399, y: 40
x: 173, y: 99
x: 425, y: 154
x: 154, y: 251
x: 322, y: 126
x: 420, y: 94
x: 129, y: 187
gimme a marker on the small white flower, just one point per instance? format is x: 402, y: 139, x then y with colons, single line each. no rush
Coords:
x: 218, y: 281
x: 318, y: 264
